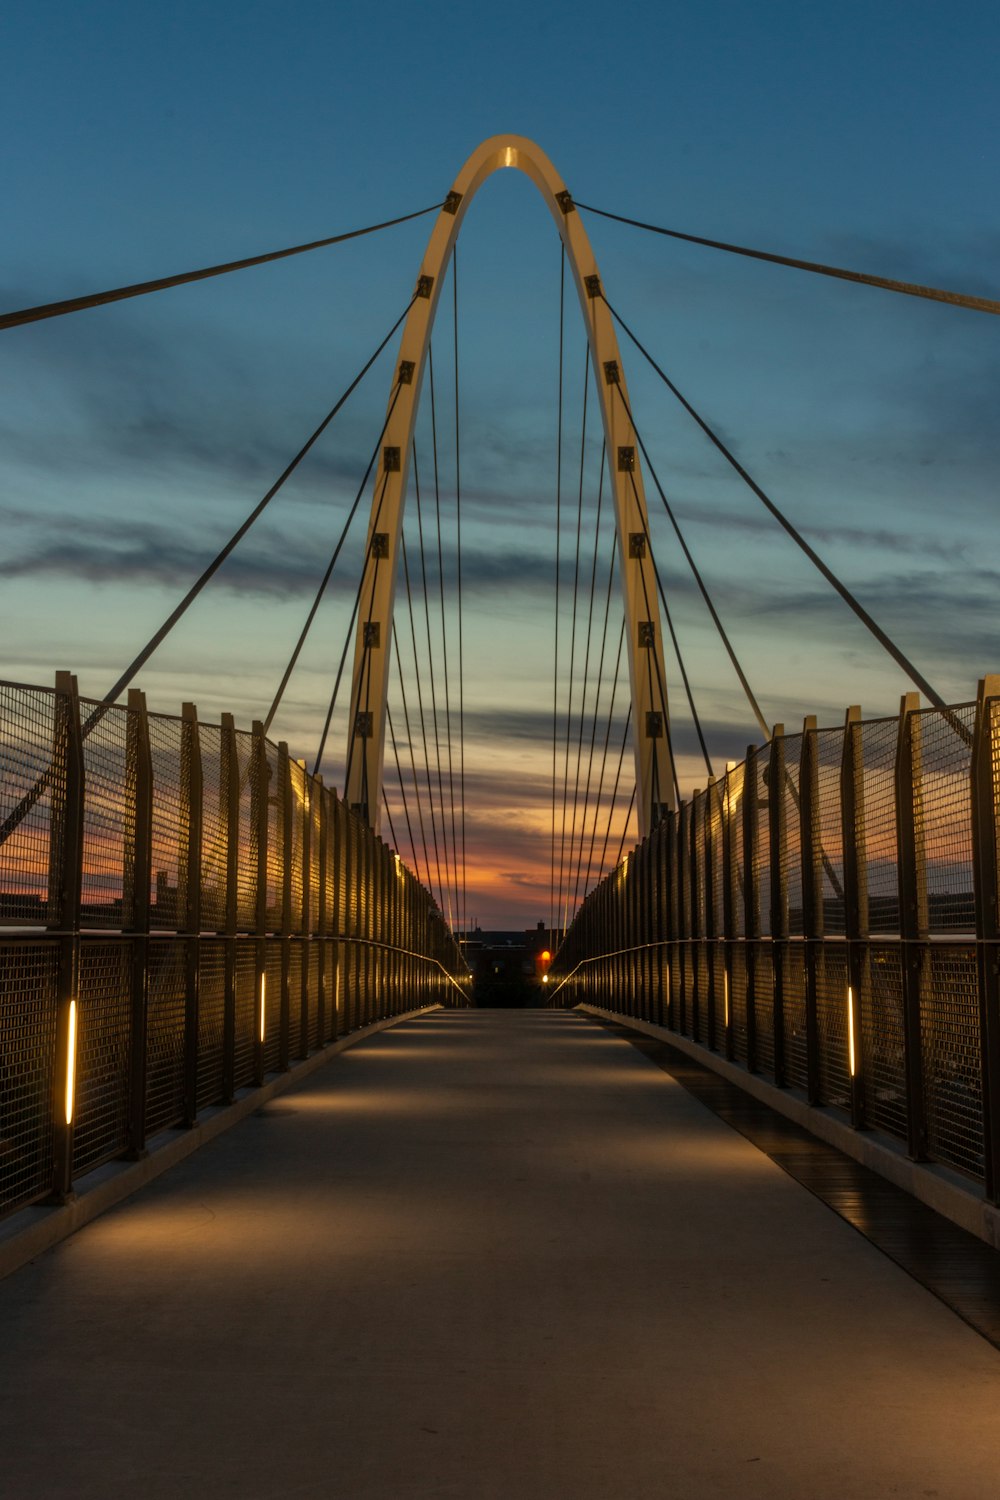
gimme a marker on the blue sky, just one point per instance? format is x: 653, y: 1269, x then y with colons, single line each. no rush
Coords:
x: 141, y: 140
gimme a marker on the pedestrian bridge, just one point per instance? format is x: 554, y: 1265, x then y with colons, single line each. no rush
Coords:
x: 719, y: 1217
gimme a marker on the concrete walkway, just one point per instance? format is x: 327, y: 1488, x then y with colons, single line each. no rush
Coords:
x: 486, y: 1254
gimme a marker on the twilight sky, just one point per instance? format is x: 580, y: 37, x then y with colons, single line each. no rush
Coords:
x: 141, y: 140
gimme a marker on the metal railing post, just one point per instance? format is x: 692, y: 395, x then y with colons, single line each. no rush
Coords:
x: 852, y: 813
x: 135, y: 903
x: 985, y: 766
x: 778, y: 859
x: 230, y: 787
x: 751, y: 898
x: 65, y: 886
x: 812, y: 901
x: 728, y: 912
x: 713, y: 866
x: 322, y: 923
x: 190, y: 913
x: 913, y: 913
x: 260, y: 801
x: 305, y: 923
x: 288, y: 845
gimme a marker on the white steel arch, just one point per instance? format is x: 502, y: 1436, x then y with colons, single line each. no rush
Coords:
x: 370, y: 682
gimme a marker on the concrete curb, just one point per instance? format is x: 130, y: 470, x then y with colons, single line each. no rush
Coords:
x: 942, y: 1190
x: 31, y: 1231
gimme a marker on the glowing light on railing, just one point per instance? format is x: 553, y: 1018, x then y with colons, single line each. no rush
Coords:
x: 545, y: 979
x: 851, y: 1061
x: 725, y: 996
x: 263, y: 1005
x: 336, y: 992
x: 71, y: 1063
x: 399, y: 866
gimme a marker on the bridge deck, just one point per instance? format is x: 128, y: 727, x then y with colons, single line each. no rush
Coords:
x: 486, y: 1254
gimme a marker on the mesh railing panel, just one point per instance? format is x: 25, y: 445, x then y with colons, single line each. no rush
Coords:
x: 295, y: 967
x: 738, y: 1000
x: 831, y: 1025
x: 275, y: 841
x: 732, y: 811
x: 942, y: 805
x: 882, y: 1030
x: 211, y: 1020
x: 246, y: 864
x: 32, y: 782
x: 763, y: 1002
x: 876, y: 823
x: 214, y: 825
x: 109, y: 816
x: 168, y: 866
x: 762, y: 850
x: 245, y: 1013
x: 829, y: 830
x: 28, y: 975
x: 699, y: 807
x: 165, y: 1010
x: 794, y: 1006
x: 103, y: 1043
x: 792, y: 851
x: 272, y: 1012
x: 714, y: 832
x: 950, y: 1048
x: 313, y: 1038
x: 299, y: 815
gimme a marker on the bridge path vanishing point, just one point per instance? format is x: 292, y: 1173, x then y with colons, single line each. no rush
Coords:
x: 492, y: 1254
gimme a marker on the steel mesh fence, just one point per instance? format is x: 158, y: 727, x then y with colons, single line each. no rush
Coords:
x: 245, y: 1013
x: 215, y: 771
x: 28, y: 973
x: 943, y: 811
x: 792, y: 829
x: 211, y: 1021
x: 170, y: 757
x: 763, y: 1007
x: 32, y: 790
x: 829, y: 831
x: 165, y: 1029
x: 832, y: 1025
x: 738, y: 1000
x: 884, y: 1068
x: 950, y: 1048
x: 759, y: 791
x: 246, y: 832
x: 794, y: 1011
x: 299, y: 810
x: 109, y: 816
x: 875, y: 824
x: 103, y: 1051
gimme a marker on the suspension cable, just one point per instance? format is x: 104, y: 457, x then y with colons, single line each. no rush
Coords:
x: 604, y: 756
x: 331, y: 565
x: 553, y: 908
x: 141, y: 288
x: 430, y: 668
x: 452, y: 870
x: 586, y: 669
x: 237, y: 536
x: 458, y: 579
x: 402, y: 791
x: 845, y: 593
x: 564, y: 904
x: 614, y: 794
x: 744, y: 683
x: 413, y: 759
x: 628, y: 815
x: 30, y: 798
x: 597, y: 705
x: 907, y: 288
